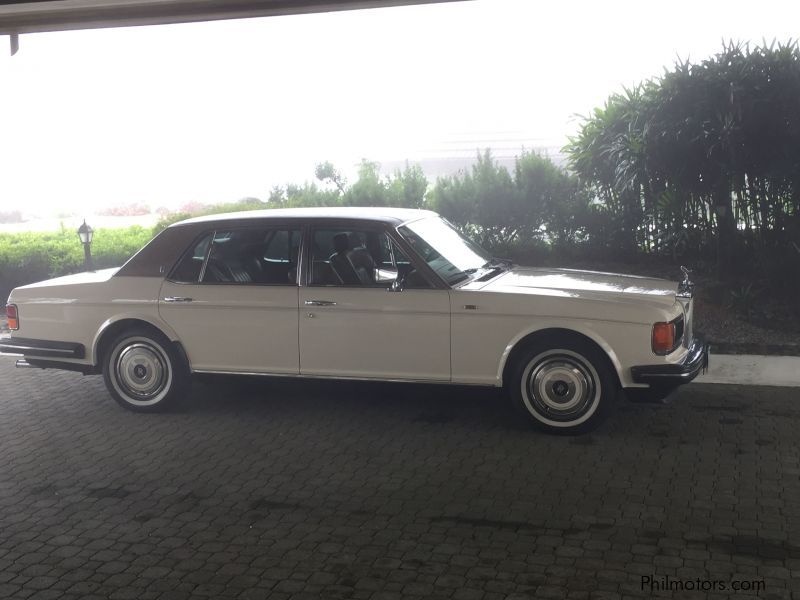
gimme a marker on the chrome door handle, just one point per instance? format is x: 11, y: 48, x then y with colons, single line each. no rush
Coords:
x: 177, y: 299
x: 319, y: 303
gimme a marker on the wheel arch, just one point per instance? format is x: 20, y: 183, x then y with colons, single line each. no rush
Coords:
x: 115, y: 325
x: 524, y: 340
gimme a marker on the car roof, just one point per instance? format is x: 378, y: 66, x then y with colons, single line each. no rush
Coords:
x: 393, y: 216
x: 169, y: 245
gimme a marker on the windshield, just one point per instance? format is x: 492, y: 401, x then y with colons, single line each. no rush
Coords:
x: 446, y: 251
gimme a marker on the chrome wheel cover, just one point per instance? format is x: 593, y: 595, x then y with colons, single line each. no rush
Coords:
x: 141, y: 371
x: 560, y: 388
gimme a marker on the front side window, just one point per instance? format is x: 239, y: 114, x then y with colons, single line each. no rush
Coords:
x: 245, y: 256
x: 359, y: 258
x: 452, y: 256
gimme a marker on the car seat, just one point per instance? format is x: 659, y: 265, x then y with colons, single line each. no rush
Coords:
x: 340, y: 260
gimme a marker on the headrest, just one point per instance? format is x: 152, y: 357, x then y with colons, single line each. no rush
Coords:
x: 355, y: 240
x: 340, y: 242
x: 224, y: 249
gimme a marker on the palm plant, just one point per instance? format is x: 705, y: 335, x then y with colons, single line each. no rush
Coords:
x: 711, y: 149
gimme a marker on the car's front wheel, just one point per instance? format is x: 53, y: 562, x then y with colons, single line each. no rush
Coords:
x: 563, y: 387
x: 143, y: 371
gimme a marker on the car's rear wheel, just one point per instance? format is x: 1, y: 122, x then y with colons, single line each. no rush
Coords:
x: 143, y: 371
x: 563, y: 387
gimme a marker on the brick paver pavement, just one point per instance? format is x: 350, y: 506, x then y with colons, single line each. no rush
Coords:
x: 279, y: 490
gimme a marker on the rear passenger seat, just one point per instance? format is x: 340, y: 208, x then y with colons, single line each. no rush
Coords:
x: 225, y: 267
x: 225, y: 272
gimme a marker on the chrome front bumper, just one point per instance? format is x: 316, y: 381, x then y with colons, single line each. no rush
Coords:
x: 695, y: 362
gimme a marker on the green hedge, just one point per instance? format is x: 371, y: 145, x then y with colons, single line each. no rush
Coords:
x: 35, y: 256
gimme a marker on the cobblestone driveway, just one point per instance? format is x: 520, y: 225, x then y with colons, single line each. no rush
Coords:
x: 318, y: 490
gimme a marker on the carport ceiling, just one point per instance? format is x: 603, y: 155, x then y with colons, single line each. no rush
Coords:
x: 56, y: 15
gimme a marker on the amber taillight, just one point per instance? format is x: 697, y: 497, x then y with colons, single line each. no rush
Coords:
x: 13, y: 316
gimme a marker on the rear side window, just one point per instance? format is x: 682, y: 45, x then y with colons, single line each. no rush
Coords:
x: 244, y: 256
x: 253, y: 256
x: 281, y: 246
x: 189, y: 268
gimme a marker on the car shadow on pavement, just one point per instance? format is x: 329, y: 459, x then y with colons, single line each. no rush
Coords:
x: 426, y: 404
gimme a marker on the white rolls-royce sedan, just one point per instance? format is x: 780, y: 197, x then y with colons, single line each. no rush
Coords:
x: 359, y: 293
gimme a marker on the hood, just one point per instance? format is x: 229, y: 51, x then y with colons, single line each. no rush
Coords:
x: 575, y: 284
x: 77, y: 278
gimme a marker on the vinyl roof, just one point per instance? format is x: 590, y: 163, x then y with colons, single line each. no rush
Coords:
x: 394, y: 216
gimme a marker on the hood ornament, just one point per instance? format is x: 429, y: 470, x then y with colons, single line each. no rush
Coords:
x: 686, y: 286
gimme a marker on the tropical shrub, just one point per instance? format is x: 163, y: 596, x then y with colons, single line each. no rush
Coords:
x: 704, y: 160
x: 502, y: 209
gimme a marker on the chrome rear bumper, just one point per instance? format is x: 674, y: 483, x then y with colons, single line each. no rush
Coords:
x: 41, y: 348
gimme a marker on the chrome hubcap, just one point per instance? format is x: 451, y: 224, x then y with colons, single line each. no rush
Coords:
x: 141, y: 371
x: 560, y: 387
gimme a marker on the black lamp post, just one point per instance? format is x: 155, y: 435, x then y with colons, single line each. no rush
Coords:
x: 85, y: 234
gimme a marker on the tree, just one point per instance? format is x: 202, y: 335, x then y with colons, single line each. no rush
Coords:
x: 707, y: 150
x: 369, y: 189
x: 408, y: 187
x: 483, y: 201
x: 327, y: 172
x: 556, y: 204
x: 538, y: 201
x: 403, y: 189
x: 295, y: 196
x: 608, y: 155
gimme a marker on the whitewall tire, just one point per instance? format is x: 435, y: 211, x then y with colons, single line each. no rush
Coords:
x: 143, y: 370
x: 563, y: 387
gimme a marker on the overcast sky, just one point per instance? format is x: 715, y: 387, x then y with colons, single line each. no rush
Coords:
x: 218, y: 111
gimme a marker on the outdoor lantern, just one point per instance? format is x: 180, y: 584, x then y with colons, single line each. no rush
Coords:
x: 85, y: 233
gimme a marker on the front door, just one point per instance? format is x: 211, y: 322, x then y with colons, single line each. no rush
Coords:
x: 353, y: 325
x: 232, y: 300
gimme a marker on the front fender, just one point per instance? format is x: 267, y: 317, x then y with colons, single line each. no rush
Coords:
x: 581, y: 328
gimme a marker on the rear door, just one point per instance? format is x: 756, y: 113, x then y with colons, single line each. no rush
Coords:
x: 232, y: 300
